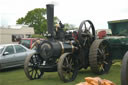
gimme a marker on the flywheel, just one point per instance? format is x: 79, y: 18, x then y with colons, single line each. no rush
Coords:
x: 86, y: 33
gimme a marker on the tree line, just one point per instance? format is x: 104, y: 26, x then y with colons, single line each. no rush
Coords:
x: 37, y: 18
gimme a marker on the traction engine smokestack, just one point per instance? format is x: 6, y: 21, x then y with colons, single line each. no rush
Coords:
x: 50, y: 19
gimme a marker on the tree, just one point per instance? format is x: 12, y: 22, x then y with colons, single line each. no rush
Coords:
x: 68, y: 26
x: 20, y: 20
x: 56, y: 20
x: 35, y: 18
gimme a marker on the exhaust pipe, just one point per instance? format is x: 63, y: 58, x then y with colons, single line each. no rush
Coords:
x: 50, y: 19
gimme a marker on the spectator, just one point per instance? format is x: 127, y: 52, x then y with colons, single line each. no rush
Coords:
x: 36, y: 44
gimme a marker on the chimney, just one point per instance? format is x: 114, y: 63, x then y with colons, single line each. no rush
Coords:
x: 50, y: 18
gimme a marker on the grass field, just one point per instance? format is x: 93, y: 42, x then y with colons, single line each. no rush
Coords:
x: 16, y: 76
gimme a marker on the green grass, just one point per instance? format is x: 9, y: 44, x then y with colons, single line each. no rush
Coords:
x: 16, y: 76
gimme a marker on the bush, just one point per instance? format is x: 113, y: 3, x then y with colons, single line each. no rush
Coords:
x: 38, y: 36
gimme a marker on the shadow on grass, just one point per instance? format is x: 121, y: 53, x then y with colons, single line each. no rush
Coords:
x: 54, y: 77
x: 87, y: 72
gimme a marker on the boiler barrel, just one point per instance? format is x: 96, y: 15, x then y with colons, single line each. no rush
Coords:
x: 55, y: 49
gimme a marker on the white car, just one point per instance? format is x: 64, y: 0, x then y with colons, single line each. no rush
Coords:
x: 12, y: 55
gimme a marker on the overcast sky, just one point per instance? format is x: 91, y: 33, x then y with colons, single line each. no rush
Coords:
x: 68, y: 11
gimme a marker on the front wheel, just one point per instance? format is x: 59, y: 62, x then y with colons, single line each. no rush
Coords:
x: 31, y: 67
x: 67, y: 67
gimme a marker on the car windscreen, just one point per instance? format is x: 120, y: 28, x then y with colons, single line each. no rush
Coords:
x: 26, y: 43
x: 1, y: 49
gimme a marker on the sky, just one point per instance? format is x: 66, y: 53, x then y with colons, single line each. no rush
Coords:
x: 68, y: 11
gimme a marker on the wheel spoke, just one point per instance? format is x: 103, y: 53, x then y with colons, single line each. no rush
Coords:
x: 99, y: 50
x: 32, y: 73
x: 102, y: 57
x: 85, y: 26
x: 105, y: 62
x: 35, y: 74
x: 67, y: 60
x: 104, y: 47
x: 70, y: 61
x: 102, y: 67
x: 89, y: 28
x: 30, y: 70
x: 38, y: 72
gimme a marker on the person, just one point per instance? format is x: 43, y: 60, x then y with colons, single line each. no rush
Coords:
x: 36, y: 44
x: 59, y: 26
x: 60, y: 34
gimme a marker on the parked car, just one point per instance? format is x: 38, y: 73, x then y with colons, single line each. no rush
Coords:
x: 12, y: 55
x: 27, y: 42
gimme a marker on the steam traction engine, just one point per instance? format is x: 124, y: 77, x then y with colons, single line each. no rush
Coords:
x: 66, y: 54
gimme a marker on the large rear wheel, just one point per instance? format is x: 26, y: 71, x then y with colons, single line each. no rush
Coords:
x: 67, y: 67
x: 31, y: 65
x: 124, y: 70
x: 99, y: 57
